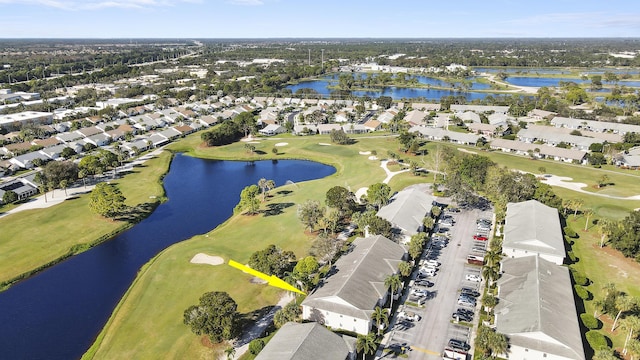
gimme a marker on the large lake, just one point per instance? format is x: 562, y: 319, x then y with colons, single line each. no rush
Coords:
x: 396, y: 93
x: 58, y: 313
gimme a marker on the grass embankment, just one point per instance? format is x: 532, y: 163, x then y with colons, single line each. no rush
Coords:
x: 148, y: 321
x: 35, y: 239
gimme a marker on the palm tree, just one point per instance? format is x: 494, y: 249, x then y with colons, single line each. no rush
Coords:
x: 381, y: 317
x: 489, y: 302
x: 605, y: 226
x: 393, y: 283
x: 366, y: 344
x: 634, y: 348
x: 631, y: 324
x: 498, y: 344
x: 230, y: 352
x: 405, y: 268
x: 588, y: 212
x: 576, y: 205
x: 624, y: 304
x: 490, y: 273
x: 492, y: 257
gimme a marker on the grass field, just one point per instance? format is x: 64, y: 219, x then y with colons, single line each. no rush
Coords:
x: 148, y: 320
x: 33, y: 238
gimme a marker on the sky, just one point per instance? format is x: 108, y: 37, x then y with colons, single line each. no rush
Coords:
x: 318, y: 19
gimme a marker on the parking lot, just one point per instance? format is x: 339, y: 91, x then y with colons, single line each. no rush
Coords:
x: 436, y: 304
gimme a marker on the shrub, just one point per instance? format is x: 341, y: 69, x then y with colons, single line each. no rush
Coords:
x: 569, y: 232
x: 582, y: 292
x: 579, y: 278
x: 572, y: 256
x: 589, y: 321
x: 596, y: 340
x: 255, y: 346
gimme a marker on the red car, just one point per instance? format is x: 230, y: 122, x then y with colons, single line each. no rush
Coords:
x: 480, y: 237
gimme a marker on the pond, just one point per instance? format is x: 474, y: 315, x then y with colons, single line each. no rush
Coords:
x: 58, y: 313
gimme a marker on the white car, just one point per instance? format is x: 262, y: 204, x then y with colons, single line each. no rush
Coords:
x: 473, y: 277
x: 411, y: 316
x: 419, y: 292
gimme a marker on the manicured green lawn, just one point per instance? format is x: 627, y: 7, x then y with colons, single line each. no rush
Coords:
x: 148, y: 320
x: 32, y: 238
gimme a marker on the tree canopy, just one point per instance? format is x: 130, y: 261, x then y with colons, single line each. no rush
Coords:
x: 248, y: 200
x: 106, y: 200
x: 215, y: 316
x: 272, y: 260
x: 340, y: 198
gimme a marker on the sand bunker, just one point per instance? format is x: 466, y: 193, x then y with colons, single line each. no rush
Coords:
x: 365, y: 152
x: 253, y: 142
x: 373, y: 157
x: 324, y: 144
x: 201, y: 258
x: 281, y: 144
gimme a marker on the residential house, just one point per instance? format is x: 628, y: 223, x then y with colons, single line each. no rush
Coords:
x: 406, y: 212
x: 594, y: 125
x: 354, y: 128
x: 208, y: 120
x: 305, y: 129
x: 479, y: 108
x: 25, y: 161
x: 327, y: 128
x: 486, y: 130
x: 295, y: 341
x: 553, y: 137
x: 536, y: 310
x: 541, y: 114
x: 373, y: 125
x: 445, y: 135
x: 533, y: 228
x: 22, y: 188
x: 100, y: 139
x: 48, y: 142
x: 272, y: 129
x: 539, y: 151
x: 468, y: 117
x: 426, y: 106
x: 347, y: 297
x: 416, y: 117
x: 629, y: 159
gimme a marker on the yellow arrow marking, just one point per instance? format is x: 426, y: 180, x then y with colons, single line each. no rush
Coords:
x: 272, y: 280
x: 425, y: 351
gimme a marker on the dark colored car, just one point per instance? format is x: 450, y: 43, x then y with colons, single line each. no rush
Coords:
x: 459, y: 345
x: 462, y: 317
x: 470, y: 292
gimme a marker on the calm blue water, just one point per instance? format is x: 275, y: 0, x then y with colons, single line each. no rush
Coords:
x: 57, y: 313
x: 321, y: 86
x: 521, y: 70
x: 536, y: 81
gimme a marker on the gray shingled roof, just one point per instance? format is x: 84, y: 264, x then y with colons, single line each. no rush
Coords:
x: 536, y: 309
x: 358, y: 284
x: 535, y: 227
x: 306, y: 341
x: 407, y: 210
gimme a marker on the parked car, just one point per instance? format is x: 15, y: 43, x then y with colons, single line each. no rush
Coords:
x: 466, y: 302
x: 458, y: 345
x: 473, y: 277
x: 419, y: 292
x: 409, y: 315
x: 480, y: 237
x: 433, y: 263
x: 425, y: 282
x: 462, y: 317
x: 484, y: 227
x: 470, y: 292
x: 464, y: 311
x: 453, y: 209
x: 479, y: 249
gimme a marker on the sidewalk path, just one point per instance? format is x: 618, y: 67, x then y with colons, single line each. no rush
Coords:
x: 565, y: 182
x: 55, y: 197
x: 257, y: 329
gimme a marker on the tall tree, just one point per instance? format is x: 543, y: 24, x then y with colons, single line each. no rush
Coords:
x: 248, y: 200
x: 215, y: 316
x: 587, y: 212
x: 381, y: 318
x: 624, y: 304
x: 106, y: 200
x: 405, y: 268
x: 393, y: 283
x: 366, y: 344
x: 632, y: 325
x: 310, y: 212
x: 340, y: 198
x: 378, y: 194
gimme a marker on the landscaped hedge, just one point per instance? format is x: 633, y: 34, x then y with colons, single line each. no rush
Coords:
x: 579, y: 278
x: 582, y: 292
x: 596, y: 340
x: 590, y: 322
